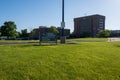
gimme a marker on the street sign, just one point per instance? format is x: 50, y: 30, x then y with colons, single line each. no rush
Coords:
x: 48, y: 38
x: 62, y: 24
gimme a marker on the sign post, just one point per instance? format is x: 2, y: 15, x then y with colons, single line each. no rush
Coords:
x: 48, y: 38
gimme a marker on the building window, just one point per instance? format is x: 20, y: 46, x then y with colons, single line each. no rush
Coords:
x: 101, y: 25
x: 101, y: 20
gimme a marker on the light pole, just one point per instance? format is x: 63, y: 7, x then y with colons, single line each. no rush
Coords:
x: 63, y: 22
x: 63, y: 38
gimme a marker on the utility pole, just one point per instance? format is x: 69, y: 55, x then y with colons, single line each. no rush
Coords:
x: 63, y: 38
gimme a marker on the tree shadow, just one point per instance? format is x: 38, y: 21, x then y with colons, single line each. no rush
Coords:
x: 35, y: 45
x: 118, y: 45
x: 45, y: 44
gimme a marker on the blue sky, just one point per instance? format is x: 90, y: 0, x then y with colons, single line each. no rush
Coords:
x: 34, y: 13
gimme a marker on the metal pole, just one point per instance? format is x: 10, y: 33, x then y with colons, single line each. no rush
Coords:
x: 39, y: 37
x: 62, y: 10
x: 63, y: 22
x: 63, y: 38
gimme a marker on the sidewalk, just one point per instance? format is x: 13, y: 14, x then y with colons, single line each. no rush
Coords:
x: 114, y: 39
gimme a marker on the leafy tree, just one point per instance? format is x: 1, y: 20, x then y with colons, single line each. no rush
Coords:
x: 86, y: 34
x: 104, y: 33
x: 9, y: 29
x: 32, y: 32
x: 24, y: 33
x: 0, y: 33
x: 53, y: 29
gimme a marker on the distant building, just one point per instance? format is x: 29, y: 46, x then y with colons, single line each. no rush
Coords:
x: 43, y: 29
x: 115, y: 33
x: 66, y: 32
x: 88, y: 26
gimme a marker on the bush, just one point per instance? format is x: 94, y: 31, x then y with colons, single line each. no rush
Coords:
x: 104, y: 33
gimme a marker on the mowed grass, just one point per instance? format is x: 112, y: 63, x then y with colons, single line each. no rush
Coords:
x: 81, y: 61
x: 88, y: 40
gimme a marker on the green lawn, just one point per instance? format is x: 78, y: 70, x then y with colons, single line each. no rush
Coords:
x: 80, y: 61
x: 88, y: 40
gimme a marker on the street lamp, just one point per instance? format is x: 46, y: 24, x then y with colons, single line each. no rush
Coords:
x: 63, y: 38
x: 63, y: 22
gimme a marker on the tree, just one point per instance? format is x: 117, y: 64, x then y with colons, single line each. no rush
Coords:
x: 32, y: 32
x: 24, y: 33
x: 104, y: 33
x: 85, y: 34
x: 53, y: 29
x: 9, y: 29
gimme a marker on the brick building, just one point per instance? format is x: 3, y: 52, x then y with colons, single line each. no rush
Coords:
x: 43, y: 29
x: 66, y: 32
x: 88, y: 26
